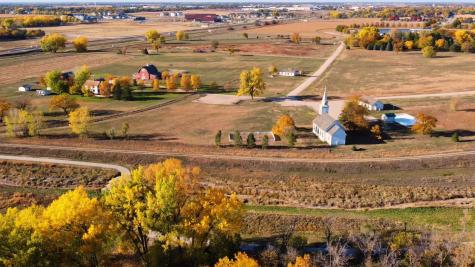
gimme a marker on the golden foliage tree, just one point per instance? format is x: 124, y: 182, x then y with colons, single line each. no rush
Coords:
x: 377, y: 132
x: 295, y: 38
x: 463, y: 36
x: 425, y: 41
x: 429, y: 52
x: 180, y: 35
x: 195, y: 82
x: 240, y: 260
x: 170, y: 82
x: 21, y: 122
x: 425, y: 124
x: 79, y: 121
x: 440, y: 43
x: 5, y: 106
x: 304, y: 261
x: 156, y: 84
x: 409, y: 45
x: 251, y: 83
x: 273, y: 70
x: 64, y: 101
x: 284, y: 124
x: 353, y: 115
x: 367, y: 35
x: 185, y: 82
x: 80, y: 77
x: 53, y: 42
x: 80, y: 44
x: 152, y: 36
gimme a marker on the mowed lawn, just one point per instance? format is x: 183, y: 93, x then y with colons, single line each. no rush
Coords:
x: 448, y: 219
x: 381, y: 73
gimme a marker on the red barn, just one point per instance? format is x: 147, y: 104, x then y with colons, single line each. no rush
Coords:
x: 202, y: 17
x: 148, y: 72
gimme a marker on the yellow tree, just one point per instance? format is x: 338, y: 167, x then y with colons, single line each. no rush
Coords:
x: 195, y: 81
x: 304, y: 261
x: 4, y: 107
x: 80, y: 43
x: 53, y: 42
x: 295, y: 38
x: 240, y: 260
x: 353, y: 115
x: 273, y: 70
x: 429, y: 52
x: 409, y: 45
x: 152, y: 36
x: 462, y: 36
x: 424, y: 41
x: 185, y: 82
x: 156, y: 84
x: 284, y: 124
x: 21, y: 122
x: 64, y: 101
x: 19, y: 246
x: 76, y: 228
x: 180, y: 35
x: 170, y: 82
x: 440, y: 43
x: 425, y: 124
x: 79, y: 121
x: 251, y: 83
x: 367, y: 35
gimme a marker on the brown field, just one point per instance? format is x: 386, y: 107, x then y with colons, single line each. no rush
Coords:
x: 33, y: 66
x: 323, y: 28
x: 381, y: 73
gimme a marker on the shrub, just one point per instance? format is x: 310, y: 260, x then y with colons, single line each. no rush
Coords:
x: 297, y: 241
x: 429, y: 52
x: 217, y: 138
x: 265, y: 142
x: 237, y: 139
x: 251, y: 141
x: 455, y: 137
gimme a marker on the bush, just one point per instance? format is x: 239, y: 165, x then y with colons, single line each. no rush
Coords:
x: 297, y: 241
x: 237, y: 139
x: 251, y: 141
x: 429, y: 52
x: 217, y: 138
x: 265, y: 142
x: 455, y: 137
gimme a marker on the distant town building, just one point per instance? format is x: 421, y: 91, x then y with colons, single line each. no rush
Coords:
x: 202, y: 17
x: 326, y: 128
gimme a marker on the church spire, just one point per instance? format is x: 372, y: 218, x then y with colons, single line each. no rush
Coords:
x: 324, y: 107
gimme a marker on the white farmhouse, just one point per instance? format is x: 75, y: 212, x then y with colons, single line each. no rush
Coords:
x: 290, y: 73
x: 93, y: 86
x: 371, y: 103
x: 328, y: 129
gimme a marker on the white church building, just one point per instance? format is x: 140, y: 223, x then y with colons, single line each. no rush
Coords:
x: 328, y: 129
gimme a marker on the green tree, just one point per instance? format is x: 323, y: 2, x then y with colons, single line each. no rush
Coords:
x: 237, y: 139
x: 455, y: 137
x: 53, y: 42
x: 217, y: 138
x: 353, y: 115
x: 265, y: 142
x: 55, y: 82
x: 251, y: 141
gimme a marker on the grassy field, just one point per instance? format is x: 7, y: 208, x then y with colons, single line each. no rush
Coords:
x: 380, y: 73
x: 448, y: 219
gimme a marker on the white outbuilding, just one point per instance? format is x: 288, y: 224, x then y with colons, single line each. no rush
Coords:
x: 25, y: 88
x: 371, y: 103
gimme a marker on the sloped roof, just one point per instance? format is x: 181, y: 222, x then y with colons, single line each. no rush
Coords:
x: 335, y: 128
x: 369, y: 100
x: 151, y: 69
x: 92, y: 83
x: 324, y: 121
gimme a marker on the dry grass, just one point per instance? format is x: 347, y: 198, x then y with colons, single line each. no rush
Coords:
x: 380, y: 73
x: 308, y: 29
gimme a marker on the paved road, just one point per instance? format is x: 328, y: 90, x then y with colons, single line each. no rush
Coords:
x: 308, y: 82
x: 447, y: 155
x: 122, y: 170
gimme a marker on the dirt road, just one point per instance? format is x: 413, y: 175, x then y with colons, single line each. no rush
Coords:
x: 308, y: 82
x: 122, y: 170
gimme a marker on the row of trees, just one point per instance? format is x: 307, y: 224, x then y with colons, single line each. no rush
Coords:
x: 186, y: 81
x: 157, y: 213
x: 31, y: 21
x: 156, y: 39
x: 440, y: 40
x: 55, y: 42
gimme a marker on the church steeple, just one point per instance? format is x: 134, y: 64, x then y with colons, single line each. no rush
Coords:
x: 324, y: 108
